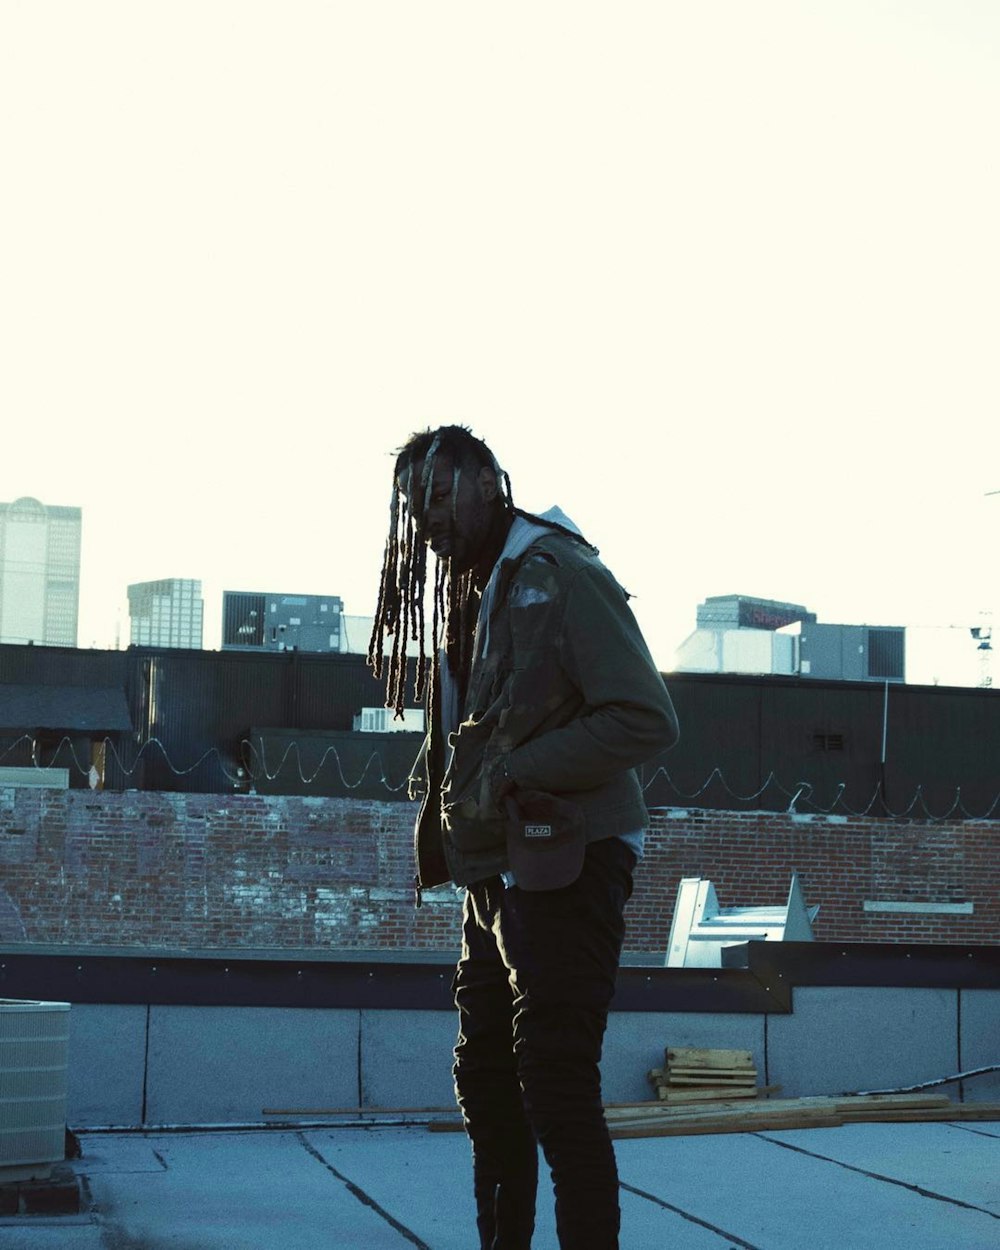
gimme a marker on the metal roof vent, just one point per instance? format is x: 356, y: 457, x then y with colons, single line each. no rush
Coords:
x: 34, y: 1045
x: 701, y: 928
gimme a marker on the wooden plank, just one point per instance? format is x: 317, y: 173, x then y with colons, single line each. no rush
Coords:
x: 786, y: 1113
x: 859, y: 1105
x: 731, y: 1115
x: 708, y: 1077
x: 653, y: 1119
x: 736, y: 1121
x: 763, y: 1109
x: 866, y: 1102
x: 736, y: 1111
x: 978, y: 1111
x: 698, y: 1093
x: 696, y: 1057
x: 921, y: 1115
x: 742, y: 1074
x: 682, y: 1128
x: 619, y: 1110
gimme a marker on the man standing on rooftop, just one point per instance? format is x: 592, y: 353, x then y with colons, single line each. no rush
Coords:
x: 542, y: 699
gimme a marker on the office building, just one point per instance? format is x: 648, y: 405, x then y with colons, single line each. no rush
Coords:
x: 166, y: 613
x: 39, y: 573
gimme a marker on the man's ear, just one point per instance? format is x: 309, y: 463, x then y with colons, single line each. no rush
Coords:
x: 487, y: 480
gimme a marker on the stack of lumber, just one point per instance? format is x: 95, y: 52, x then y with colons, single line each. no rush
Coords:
x: 657, y: 1119
x: 654, y: 1119
x: 694, y: 1074
x: 715, y: 1091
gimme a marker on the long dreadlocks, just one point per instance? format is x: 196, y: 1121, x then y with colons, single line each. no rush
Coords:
x: 401, y: 596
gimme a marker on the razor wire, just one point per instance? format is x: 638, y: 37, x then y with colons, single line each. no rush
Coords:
x: 214, y: 753
x: 257, y: 767
x: 294, y: 747
x: 804, y: 791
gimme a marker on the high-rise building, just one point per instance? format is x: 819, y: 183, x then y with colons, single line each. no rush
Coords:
x: 39, y: 573
x: 166, y: 613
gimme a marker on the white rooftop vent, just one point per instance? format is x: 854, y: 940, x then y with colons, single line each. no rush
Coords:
x: 34, y: 1043
x: 701, y: 928
x: 42, y: 778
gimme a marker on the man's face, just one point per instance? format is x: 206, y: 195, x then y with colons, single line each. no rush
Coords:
x: 460, y: 535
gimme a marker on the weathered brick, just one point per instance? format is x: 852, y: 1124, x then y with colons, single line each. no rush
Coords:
x: 147, y: 868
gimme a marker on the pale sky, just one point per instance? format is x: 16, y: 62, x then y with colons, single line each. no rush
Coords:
x: 720, y: 279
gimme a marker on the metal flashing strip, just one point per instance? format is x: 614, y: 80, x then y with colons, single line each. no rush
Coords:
x: 917, y: 965
x: 758, y: 977
x: 227, y: 980
x: 698, y: 989
x: 923, y: 909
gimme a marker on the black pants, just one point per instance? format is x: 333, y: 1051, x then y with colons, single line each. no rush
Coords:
x: 532, y: 988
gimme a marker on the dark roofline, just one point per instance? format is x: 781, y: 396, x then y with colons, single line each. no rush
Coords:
x: 92, y: 709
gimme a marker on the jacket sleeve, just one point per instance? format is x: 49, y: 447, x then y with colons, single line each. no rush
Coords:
x: 626, y: 715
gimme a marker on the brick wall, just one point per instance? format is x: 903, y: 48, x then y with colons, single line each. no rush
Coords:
x: 199, y: 871
x: 841, y: 862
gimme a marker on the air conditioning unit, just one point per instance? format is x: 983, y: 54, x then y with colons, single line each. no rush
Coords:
x: 382, y: 720
x: 34, y: 1046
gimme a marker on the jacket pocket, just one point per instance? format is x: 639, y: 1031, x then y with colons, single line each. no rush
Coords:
x: 470, y: 816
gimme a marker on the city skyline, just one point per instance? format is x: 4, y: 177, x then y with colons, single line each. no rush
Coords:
x: 957, y: 654
x: 719, y: 281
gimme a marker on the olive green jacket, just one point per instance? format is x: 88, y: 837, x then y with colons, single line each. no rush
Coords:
x: 563, y: 698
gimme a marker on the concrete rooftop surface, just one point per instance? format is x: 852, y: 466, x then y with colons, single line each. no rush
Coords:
x: 923, y: 1186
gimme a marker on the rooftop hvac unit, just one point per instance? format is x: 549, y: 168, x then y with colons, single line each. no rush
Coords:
x: 383, y: 720
x: 39, y: 778
x: 34, y: 1042
x: 701, y: 928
